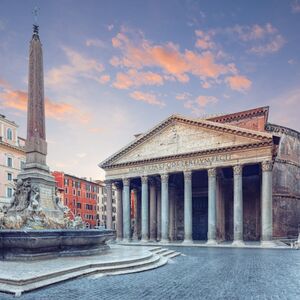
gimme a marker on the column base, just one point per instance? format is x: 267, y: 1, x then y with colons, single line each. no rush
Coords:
x: 187, y: 242
x: 164, y: 241
x: 238, y: 243
x: 144, y: 240
x: 268, y: 244
x: 211, y: 242
x: 126, y: 240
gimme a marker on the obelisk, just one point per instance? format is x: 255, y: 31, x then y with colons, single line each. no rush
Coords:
x: 36, y: 169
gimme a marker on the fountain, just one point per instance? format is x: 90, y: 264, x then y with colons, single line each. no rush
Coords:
x: 36, y: 224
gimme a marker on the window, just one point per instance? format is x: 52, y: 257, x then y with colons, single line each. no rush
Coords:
x: 78, y: 193
x: 22, y: 164
x: 9, y: 161
x: 66, y: 201
x: 9, y: 176
x: 78, y: 205
x: 66, y: 190
x: 9, y: 134
x: 9, y: 192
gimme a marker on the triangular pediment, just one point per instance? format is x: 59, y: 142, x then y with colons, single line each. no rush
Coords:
x: 178, y: 136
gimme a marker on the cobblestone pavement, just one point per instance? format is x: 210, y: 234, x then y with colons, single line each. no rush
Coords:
x: 201, y: 273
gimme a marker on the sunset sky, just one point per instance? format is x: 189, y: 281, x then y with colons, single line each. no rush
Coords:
x: 116, y: 68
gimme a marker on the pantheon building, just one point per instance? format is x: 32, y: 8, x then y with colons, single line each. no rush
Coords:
x: 234, y: 177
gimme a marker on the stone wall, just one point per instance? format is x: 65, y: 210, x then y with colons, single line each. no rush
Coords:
x: 286, y: 183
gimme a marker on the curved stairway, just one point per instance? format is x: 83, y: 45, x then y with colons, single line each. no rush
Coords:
x: 119, y: 260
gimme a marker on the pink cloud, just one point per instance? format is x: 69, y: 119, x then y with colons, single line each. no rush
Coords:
x: 146, y: 97
x: 204, y: 40
x: 183, y: 96
x: 254, y: 32
x: 263, y: 39
x: 273, y: 46
x: 197, y: 105
x: 104, y: 79
x: 206, y: 85
x: 203, y: 101
x: 136, y: 79
x: 239, y: 83
x: 140, y: 53
x: 17, y: 100
x: 78, y: 66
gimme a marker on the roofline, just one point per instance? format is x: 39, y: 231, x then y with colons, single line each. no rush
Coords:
x: 21, y: 149
x: 66, y: 174
x: 284, y: 129
x: 242, y: 114
x: 3, y: 117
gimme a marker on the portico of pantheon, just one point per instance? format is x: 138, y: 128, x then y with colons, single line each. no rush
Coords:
x: 232, y: 178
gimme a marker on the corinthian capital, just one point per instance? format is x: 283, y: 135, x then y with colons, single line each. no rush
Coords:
x: 238, y: 170
x: 164, y: 178
x: 267, y: 165
x: 126, y: 181
x: 144, y: 179
x: 212, y: 172
x: 187, y: 175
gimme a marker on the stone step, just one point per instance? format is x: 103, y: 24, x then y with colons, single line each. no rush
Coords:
x: 168, y: 252
x: 155, y: 249
x: 161, y: 251
x: 148, y: 263
x: 174, y: 254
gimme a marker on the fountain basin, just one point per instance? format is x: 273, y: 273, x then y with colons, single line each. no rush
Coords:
x: 51, y: 243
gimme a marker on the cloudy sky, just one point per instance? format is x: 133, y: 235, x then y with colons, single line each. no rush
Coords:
x: 116, y: 68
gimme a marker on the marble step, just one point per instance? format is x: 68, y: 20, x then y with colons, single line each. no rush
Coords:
x: 155, y: 249
x: 152, y: 262
x: 160, y: 251
x: 174, y: 254
x: 168, y: 252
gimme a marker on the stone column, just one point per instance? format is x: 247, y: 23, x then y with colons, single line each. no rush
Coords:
x: 153, y: 221
x: 145, y: 209
x: 164, y: 207
x: 172, y: 212
x: 135, y: 228
x: 126, y: 210
x: 158, y: 212
x: 266, y: 204
x: 119, y: 212
x: 188, y: 208
x: 108, y: 184
x: 238, y: 205
x: 212, y: 211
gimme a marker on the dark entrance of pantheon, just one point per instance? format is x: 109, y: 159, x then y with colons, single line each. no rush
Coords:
x: 200, y: 205
x: 200, y: 217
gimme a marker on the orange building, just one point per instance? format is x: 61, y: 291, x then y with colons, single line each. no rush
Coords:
x: 80, y: 195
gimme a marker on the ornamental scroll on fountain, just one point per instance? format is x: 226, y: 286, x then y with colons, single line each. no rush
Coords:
x: 35, y: 203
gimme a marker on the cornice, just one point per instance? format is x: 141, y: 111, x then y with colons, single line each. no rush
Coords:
x: 260, y: 111
x: 281, y: 129
x: 192, y: 154
x: 21, y: 149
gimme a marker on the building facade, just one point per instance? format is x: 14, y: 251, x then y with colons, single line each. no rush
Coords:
x: 229, y: 178
x: 80, y: 195
x: 12, y: 157
x: 102, y: 205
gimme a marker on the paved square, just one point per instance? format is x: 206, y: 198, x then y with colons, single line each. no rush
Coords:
x: 211, y: 273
